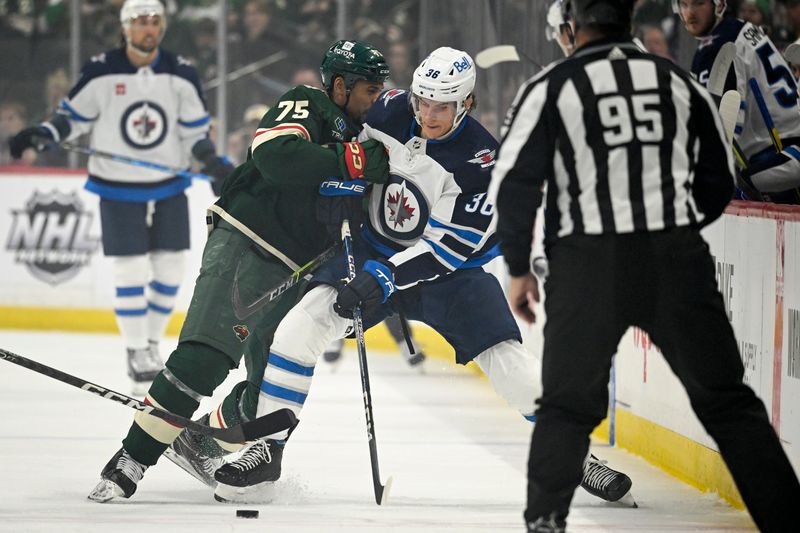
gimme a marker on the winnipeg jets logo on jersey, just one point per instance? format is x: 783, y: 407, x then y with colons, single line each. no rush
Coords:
x: 405, y: 211
x: 144, y: 125
x: 399, y: 208
x: 484, y: 158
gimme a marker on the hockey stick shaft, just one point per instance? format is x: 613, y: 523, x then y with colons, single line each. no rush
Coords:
x: 718, y: 74
x: 243, y: 310
x: 70, y: 147
x: 381, y: 491
x: 260, y: 427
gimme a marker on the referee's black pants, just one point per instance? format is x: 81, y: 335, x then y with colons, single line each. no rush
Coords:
x: 664, y: 283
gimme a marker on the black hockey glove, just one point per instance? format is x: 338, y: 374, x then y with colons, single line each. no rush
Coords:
x: 372, y: 286
x: 36, y: 137
x: 340, y: 200
x: 218, y: 168
x: 368, y: 160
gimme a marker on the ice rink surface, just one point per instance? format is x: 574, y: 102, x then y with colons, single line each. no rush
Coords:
x: 456, y: 451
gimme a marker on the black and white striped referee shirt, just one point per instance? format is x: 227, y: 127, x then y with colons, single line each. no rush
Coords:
x: 627, y: 141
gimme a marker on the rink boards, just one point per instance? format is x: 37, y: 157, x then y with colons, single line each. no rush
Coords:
x: 55, y: 277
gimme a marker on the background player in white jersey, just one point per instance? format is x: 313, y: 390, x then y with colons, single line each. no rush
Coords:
x: 428, y: 233
x: 143, y: 102
x: 768, y: 126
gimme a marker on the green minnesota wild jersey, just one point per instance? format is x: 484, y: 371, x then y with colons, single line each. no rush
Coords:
x: 272, y: 197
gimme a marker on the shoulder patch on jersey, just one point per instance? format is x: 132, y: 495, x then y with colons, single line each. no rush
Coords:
x: 485, y: 158
x: 99, y: 58
x: 183, y: 61
x: 707, y: 41
x: 391, y: 94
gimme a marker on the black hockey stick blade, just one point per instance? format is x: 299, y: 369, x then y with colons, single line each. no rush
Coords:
x: 254, y: 429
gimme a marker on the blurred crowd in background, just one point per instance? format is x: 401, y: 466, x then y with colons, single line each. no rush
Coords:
x: 35, y: 45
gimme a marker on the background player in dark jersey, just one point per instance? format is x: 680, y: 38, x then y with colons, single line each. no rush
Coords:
x: 265, y: 227
x: 768, y: 125
x: 143, y: 102
x: 428, y: 234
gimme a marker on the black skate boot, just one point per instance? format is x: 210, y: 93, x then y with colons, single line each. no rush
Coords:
x: 604, y: 482
x: 118, y: 478
x: 551, y: 524
x: 198, y: 454
x: 249, y: 478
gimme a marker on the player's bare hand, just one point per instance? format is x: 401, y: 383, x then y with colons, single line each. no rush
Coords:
x: 523, y: 294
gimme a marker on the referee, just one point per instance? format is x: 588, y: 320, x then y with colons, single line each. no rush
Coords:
x: 635, y: 161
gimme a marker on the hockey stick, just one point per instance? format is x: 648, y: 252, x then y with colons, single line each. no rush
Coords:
x: 254, y: 429
x: 792, y: 54
x: 242, y: 310
x: 381, y: 491
x: 729, y: 112
x: 719, y: 70
x: 70, y: 147
x: 502, y: 53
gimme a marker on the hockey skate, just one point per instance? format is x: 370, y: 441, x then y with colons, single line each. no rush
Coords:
x: 144, y: 364
x: 552, y: 524
x: 251, y: 477
x: 604, y: 482
x: 118, y: 478
x: 198, y: 454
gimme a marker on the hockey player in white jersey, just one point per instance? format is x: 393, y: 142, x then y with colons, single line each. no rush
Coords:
x: 143, y: 102
x: 429, y: 231
x: 768, y: 126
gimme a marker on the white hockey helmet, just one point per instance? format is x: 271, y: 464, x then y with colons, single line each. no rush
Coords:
x: 446, y: 75
x: 719, y: 8
x: 133, y: 9
x: 559, y: 20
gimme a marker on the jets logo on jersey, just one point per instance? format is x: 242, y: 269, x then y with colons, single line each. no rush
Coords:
x: 405, y: 211
x: 144, y: 125
x: 484, y: 158
x: 706, y: 41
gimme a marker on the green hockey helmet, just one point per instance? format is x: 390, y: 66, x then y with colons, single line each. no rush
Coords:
x: 353, y: 61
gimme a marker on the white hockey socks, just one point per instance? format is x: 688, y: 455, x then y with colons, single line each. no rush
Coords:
x: 168, y: 268
x: 299, y: 341
x: 515, y: 374
x: 130, y: 305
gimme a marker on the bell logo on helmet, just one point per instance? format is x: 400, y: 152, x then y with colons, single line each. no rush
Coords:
x: 462, y: 65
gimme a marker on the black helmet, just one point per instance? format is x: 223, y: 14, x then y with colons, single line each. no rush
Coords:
x: 353, y: 60
x: 616, y: 13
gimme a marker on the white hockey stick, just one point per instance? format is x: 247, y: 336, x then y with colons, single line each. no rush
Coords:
x: 720, y: 68
x: 729, y: 112
x: 792, y: 54
x: 496, y: 54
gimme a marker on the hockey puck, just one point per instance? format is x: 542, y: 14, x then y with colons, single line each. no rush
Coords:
x: 246, y: 513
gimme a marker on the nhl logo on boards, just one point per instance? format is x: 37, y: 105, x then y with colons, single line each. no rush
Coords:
x: 51, y: 236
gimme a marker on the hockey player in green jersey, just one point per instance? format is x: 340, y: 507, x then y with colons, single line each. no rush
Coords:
x: 269, y: 220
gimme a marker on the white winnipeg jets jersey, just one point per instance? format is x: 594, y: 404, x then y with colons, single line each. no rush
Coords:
x: 154, y: 113
x: 432, y: 216
x: 762, y: 77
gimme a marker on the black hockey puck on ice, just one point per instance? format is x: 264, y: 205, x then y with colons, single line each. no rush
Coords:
x: 246, y: 513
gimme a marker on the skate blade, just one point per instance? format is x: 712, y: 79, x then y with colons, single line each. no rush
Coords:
x: 260, y: 493
x: 628, y: 501
x: 208, y: 480
x: 106, y: 491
